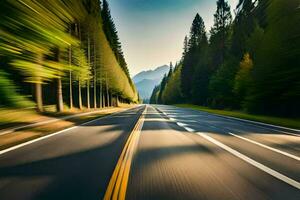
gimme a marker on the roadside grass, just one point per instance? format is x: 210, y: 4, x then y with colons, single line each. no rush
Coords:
x: 280, y: 121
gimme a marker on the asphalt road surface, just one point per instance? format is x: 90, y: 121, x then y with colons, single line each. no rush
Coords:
x: 179, y: 154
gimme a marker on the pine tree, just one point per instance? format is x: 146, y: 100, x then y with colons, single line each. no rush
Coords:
x: 219, y: 33
x: 171, y: 70
x: 185, y: 47
x: 161, y: 90
x: 111, y: 33
x: 222, y: 17
x: 243, y: 26
x: 191, y: 59
x: 153, y: 98
x: 197, y: 33
x: 110, y: 28
x: 172, y: 93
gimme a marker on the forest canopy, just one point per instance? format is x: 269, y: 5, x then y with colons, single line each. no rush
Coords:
x: 250, y: 62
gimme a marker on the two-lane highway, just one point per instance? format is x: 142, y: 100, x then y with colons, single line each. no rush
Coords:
x: 157, y: 152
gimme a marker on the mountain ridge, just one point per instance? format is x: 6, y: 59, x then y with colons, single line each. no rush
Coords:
x: 145, y: 81
x: 156, y: 73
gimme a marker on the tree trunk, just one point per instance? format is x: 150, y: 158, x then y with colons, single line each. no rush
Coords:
x: 70, y: 72
x: 95, y: 78
x: 88, y: 94
x: 38, y: 97
x: 79, y: 96
x: 117, y: 101
x: 107, y: 99
x: 111, y: 99
x: 70, y: 79
x: 100, y: 95
x: 78, y: 33
x: 95, y: 94
x: 38, y: 88
x: 88, y: 81
x: 60, y: 103
x: 107, y: 92
x: 104, y: 99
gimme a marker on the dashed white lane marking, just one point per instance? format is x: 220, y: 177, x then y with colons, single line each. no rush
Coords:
x: 193, y: 116
x: 254, y: 123
x: 267, y: 147
x: 243, y: 138
x: 157, y: 119
x: 188, y: 121
x: 181, y: 124
x: 253, y: 162
x: 172, y: 119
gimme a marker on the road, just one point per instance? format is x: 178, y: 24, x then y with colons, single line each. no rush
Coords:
x: 167, y: 153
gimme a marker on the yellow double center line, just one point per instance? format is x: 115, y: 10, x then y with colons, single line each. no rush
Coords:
x: 117, y: 186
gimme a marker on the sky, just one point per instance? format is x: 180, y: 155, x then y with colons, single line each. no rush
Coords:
x: 152, y: 31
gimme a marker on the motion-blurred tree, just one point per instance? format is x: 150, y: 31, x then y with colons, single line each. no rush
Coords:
x: 172, y: 92
x: 35, y: 29
x: 276, y: 72
x: 58, y: 40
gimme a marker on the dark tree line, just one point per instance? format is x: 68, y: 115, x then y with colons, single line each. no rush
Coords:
x: 111, y: 32
x: 251, y: 62
x: 63, y: 52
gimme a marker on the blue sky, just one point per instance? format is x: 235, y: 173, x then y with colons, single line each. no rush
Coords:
x: 152, y: 31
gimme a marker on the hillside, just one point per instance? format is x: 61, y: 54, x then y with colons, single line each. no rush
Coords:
x: 145, y: 81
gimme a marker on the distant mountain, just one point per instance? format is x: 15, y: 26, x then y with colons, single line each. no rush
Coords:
x: 156, y: 74
x: 145, y: 81
x: 145, y: 88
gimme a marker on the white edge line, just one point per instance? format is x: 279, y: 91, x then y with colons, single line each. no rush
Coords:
x: 265, y: 146
x: 33, y: 141
x: 53, y: 134
x: 252, y: 162
x: 44, y: 137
